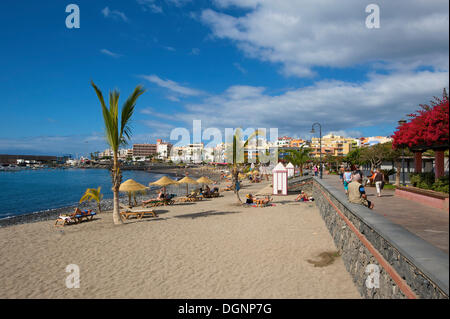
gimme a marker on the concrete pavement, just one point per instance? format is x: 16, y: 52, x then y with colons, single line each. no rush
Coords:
x: 429, y: 223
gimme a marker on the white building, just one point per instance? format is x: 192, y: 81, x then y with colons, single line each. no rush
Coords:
x: 123, y: 153
x: 284, y: 141
x: 219, y: 153
x: 208, y: 154
x: 191, y: 153
x: 163, y: 149
x: 372, y: 140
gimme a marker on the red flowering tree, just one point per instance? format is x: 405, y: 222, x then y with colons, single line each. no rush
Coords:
x: 429, y: 126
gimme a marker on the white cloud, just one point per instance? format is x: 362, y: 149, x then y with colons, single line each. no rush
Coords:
x: 156, y: 5
x: 301, y: 35
x: 150, y: 5
x: 337, y: 105
x: 54, y: 145
x: 115, y: 14
x: 112, y: 54
x: 195, y: 51
x: 237, y: 3
x: 240, y: 68
x: 158, y: 125
x: 178, y: 3
x: 172, y: 86
x: 151, y: 111
x: 173, y: 98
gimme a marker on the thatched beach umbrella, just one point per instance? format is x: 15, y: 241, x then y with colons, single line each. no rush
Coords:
x: 187, y: 180
x: 130, y: 186
x: 163, y: 182
x: 204, y: 180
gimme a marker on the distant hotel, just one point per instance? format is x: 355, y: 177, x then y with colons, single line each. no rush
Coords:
x: 333, y: 145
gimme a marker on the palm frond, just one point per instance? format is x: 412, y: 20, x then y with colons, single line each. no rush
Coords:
x: 85, y: 197
x: 127, y: 112
x: 108, y: 119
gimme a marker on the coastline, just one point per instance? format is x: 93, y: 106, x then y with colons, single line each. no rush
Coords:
x: 107, y: 203
x: 207, y: 249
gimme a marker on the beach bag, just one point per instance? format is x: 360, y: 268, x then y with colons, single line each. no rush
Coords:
x: 382, y: 184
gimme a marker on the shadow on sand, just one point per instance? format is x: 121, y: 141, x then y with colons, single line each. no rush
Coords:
x: 205, y: 214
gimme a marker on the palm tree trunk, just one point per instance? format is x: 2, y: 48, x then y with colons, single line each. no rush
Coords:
x: 116, y: 184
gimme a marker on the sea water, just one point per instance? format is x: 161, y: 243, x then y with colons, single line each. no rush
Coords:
x: 27, y: 190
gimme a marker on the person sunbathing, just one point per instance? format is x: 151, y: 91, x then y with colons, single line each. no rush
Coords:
x: 249, y: 199
x: 265, y: 201
x: 302, y: 197
x: 207, y: 191
x: 160, y: 197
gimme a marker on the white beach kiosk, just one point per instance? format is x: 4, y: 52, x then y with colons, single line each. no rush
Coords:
x: 290, y: 168
x: 280, y: 179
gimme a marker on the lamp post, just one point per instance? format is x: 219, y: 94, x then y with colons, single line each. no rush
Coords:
x: 320, y: 145
x: 400, y: 123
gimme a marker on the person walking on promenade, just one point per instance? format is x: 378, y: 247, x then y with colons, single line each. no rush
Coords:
x: 315, y: 170
x: 347, y: 179
x: 379, y: 181
x: 359, y: 172
x: 357, y: 193
x: 341, y: 173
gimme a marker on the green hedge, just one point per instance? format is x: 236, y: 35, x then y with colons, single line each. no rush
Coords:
x: 427, y: 181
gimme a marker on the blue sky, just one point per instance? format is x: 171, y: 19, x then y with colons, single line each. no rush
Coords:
x: 229, y: 63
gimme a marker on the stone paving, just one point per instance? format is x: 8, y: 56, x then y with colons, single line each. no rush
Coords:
x: 429, y: 223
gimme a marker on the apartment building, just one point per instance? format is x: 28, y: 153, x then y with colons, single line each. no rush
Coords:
x: 333, y: 145
x: 144, y: 150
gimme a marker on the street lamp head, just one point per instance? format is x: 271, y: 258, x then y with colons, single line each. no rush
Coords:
x: 401, y: 122
x: 312, y: 131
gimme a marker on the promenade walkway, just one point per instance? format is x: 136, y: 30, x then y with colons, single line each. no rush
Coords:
x: 429, y: 223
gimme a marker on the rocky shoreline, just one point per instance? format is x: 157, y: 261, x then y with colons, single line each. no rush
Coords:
x: 107, y: 204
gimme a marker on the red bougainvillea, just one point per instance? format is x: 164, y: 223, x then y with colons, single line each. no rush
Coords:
x: 429, y: 126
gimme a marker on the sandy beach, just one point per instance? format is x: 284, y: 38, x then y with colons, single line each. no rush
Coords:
x: 207, y: 249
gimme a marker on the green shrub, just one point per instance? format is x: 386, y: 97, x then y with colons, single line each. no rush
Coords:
x: 427, y: 181
x: 441, y: 185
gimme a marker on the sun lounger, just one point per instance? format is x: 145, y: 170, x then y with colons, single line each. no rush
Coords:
x: 128, y: 211
x: 153, y: 203
x: 74, y: 218
x: 137, y: 213
x: 159, y: 202
x: 211, y: 194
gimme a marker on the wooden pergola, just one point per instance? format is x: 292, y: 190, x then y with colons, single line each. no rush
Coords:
x: 439, y: 169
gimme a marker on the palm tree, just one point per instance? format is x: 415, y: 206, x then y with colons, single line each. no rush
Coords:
x: 93, y: 194
x: 117, y: 134
x: 234, y: 158
x: 298, y: 157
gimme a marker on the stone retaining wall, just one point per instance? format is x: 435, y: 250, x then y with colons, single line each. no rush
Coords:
x: 408, y: 266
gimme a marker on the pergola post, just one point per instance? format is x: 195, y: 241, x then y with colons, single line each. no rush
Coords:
x: 417, y: 162
x: 439, y: 164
